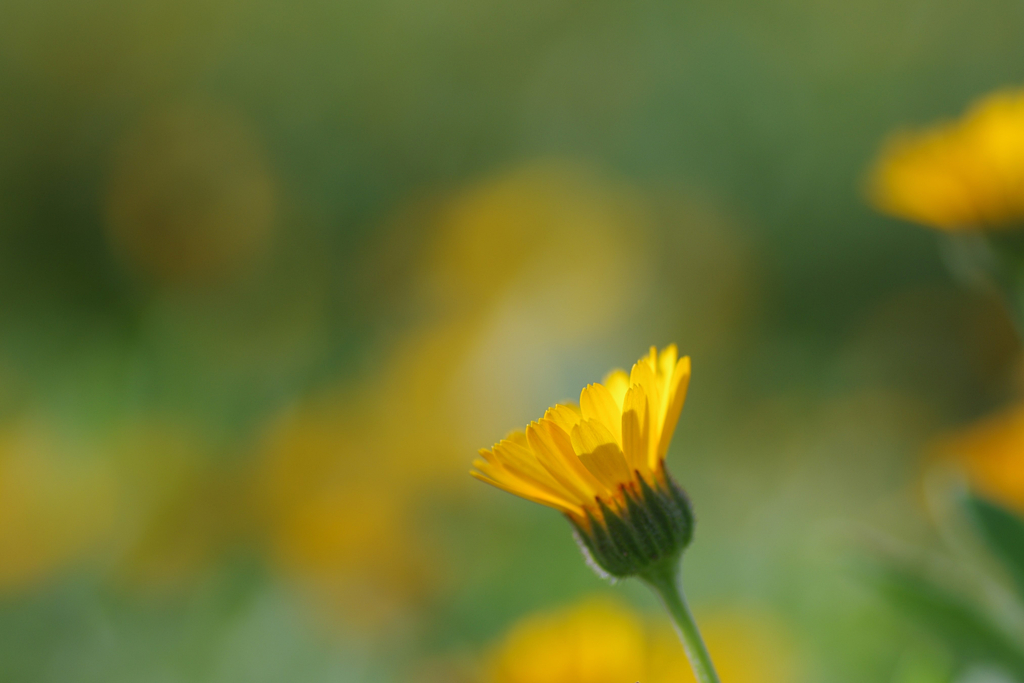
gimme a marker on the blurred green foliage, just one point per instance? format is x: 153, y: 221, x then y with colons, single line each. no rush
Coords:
x: 973, y: 631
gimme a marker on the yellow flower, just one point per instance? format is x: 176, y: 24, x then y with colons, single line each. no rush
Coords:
x: 959, y: 175
x: 991, y: 456
x: 597, y: 641
x: 340, y: 527
x: 602, y: 464
x: 748, y: 647
x: 603, y: 641
x: 54, y: 511
x: 178, y: 511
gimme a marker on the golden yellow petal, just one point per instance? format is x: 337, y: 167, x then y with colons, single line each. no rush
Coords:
x: 600, y: 454
x: 564, y: 415
x: 496, y: 472
x: 607, y: 464
x: 597, y: 403
x: 522, y: 462
x: 680, y: 382
x: 617, y: 382
x: 666, y: 364
x: 588, y: 435
x: 490, y: 456
x: 667, y: 360
x: 564, y: 466
x: 563, y: 442
x: 643, y: 376
x: 511, y: 477
x: 518, y: 437
x: 531, y: 494
x: 636, y: 430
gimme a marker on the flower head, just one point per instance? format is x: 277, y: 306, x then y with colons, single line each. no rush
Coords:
x: 990, y: 455
x: 966, y: 174
x: 602, y: 464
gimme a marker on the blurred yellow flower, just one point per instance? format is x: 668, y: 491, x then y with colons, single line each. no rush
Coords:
x: 339, y: 495
x: 991, y: 454
x: 576, y: 457
x: 54, y: 510
x: 526, y: 272
x: 597, y: 641
x: 178, y: 509
x: 961, y: 175
x: 552, y: 236
x: 747, y: 646
x: 150, y: 511
x: 333, y: 516
x: 603, y: 641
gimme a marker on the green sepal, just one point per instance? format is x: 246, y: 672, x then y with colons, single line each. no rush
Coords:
x: 623, y: 536
x: 663, y: 517
x: 651, y: 527
x: 647, y: 534
x: 605, y: 554
x: 684, y: 509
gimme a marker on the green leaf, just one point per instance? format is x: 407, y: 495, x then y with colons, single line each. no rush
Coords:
x: 967, y: 631
x: 1004, y: 533
x: 924, y: 665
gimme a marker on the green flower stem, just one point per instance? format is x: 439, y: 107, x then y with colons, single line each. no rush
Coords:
x: 664, y: 579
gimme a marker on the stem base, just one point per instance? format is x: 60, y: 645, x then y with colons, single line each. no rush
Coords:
x: 664, y: 579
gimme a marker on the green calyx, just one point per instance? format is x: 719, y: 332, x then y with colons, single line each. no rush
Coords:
x: 652, y: 525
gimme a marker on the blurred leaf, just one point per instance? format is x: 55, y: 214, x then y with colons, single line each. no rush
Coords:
x: 969, y: 634
x: 929, y: 665
x: 1004, y: 532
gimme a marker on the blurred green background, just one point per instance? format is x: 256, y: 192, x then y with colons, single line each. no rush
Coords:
x: 270, y: 273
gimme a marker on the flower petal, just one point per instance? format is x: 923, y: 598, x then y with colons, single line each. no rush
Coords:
x: 600, y: 453
x: 643, y: 376
x: 636, y: 430
x: 554, y: 451
x: 680, y: 382
x: 608, y: 465
x: 597, y: 403
x: 565, y: 415
x: 530, y: 493
x: 667, y: 360
x: 617, y: 382
x: 521, y: 461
